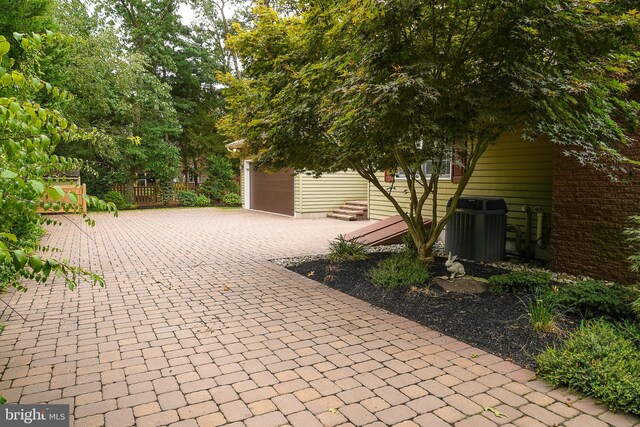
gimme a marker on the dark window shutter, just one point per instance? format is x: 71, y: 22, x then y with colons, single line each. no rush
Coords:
x: 388, y: 176
x: 457, y: 169
x: 456, y: 173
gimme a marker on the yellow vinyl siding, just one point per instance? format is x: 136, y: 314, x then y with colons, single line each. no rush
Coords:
x: 242, y: 165
x: 297, y: 198
x: 517, y: 170
x: 328, y: 192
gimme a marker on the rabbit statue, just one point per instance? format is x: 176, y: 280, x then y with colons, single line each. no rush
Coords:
x: 454, y: 267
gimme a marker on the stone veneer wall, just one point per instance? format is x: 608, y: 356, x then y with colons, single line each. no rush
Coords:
x: 589, y: 214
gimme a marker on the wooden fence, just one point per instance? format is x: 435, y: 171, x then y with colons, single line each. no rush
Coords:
x: 77, y: 189
x: 152, y: 195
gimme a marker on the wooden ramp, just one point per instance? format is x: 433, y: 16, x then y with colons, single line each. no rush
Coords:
x: 386, y: 232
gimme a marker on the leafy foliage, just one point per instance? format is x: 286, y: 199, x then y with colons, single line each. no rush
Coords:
x: 203, y: 200
x: 590, y: 298
x: 635, y: 307
x: 347, y: 250
x: 30, y: 132
x: 117, y: 199
x: 400, y: 269
x: 232, y: 199
x: 375, y: 86
x: 175, y: 102
x: 219, y: 181
x: 187, y: 198
x: 190, y: 198
x: 517, y: 281
x: 600, y: 359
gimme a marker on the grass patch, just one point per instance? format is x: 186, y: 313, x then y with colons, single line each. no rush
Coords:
x: 401, y: 269
x: 346, y: 250
x: 519, y: 282
x: 600, y: 359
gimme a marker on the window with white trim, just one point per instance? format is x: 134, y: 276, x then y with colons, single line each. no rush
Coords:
x: 427, y: 168
x: 191, y: 177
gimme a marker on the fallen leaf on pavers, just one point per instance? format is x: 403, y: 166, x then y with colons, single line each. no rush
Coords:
x: 474, y: 356
x: 226, y: 288
x: 334, y: 411
x: 494, y: 411
x: 311, y: 273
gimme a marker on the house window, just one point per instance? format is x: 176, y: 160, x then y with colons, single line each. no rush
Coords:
x: 427, y: 168
x: 191, y: 177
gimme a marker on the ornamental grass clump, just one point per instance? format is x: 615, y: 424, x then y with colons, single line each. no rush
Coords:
x: 601, y: 359
x: 347, y: 250
x: 543, y: 311
x: 400, y: 269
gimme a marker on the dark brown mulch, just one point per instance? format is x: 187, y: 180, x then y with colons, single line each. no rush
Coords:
x: 496, y: 323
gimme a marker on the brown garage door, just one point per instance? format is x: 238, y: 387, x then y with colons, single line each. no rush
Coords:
x: 272, y: 192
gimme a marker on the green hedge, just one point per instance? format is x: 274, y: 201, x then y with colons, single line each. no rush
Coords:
x: 517, y: 281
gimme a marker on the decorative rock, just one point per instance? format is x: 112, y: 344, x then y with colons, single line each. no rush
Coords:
x: 464, y: 285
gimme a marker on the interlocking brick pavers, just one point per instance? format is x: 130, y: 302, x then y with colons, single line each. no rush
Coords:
x: 197, y: 328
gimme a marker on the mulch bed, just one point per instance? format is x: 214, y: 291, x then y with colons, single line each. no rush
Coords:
x: 496, y: 323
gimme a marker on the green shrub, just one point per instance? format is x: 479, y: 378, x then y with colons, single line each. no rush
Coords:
x: 232, y: 199
x: 400, y: 269
x: 600, y: 359
x: 187, y: 198
x: 590, y: 298
x: 517, y: 281
x: 409, y: 245
x: 117, y: 199
x: 635, y: 307
x: 219, y: 180
x: 543, y: 310
x: 203, y: 200
x: 346, y: 250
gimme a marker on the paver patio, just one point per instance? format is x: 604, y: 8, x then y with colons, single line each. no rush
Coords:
x: 197, y: 328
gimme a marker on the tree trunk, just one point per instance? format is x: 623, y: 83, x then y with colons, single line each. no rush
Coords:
x: 130, y: 191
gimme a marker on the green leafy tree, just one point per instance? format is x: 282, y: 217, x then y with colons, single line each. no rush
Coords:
x: 28, y: 16
x: 374, y: 86
x: 184, y: 63
x: 29, y: 134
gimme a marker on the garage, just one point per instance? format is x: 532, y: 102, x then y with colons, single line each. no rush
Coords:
x: 271, y: 192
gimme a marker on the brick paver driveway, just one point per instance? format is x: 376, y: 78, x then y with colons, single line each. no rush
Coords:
x: 197, y: 327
